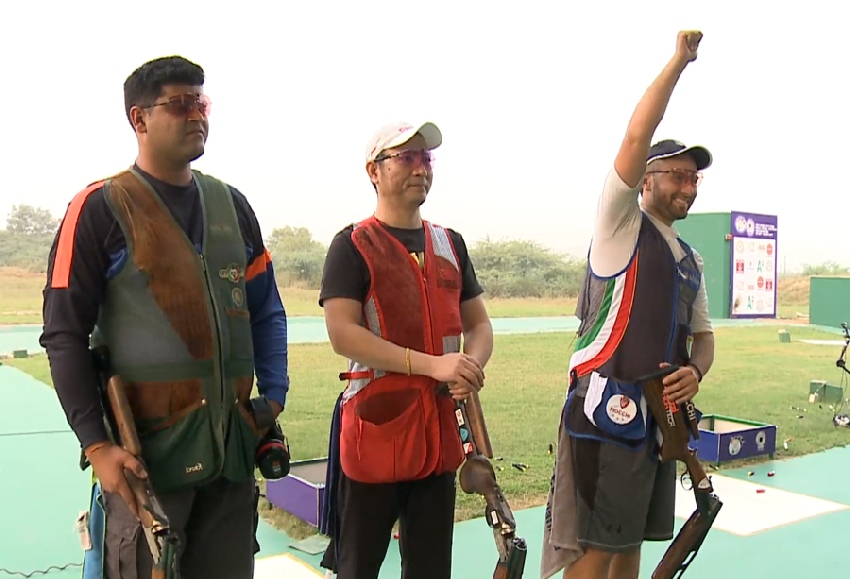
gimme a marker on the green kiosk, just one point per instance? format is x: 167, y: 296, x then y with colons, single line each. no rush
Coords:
x: 739, y: 251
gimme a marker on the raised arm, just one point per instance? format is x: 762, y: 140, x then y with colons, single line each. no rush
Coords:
x: 630, y: 163
x: 618, y: 215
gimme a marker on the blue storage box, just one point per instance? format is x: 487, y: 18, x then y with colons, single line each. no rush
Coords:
x: 723, y: 439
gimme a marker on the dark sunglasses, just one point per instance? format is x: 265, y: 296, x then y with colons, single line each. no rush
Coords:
x: 410, y: 158
x: 182, y: 105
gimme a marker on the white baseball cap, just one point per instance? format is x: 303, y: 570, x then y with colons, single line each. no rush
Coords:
x: 396, y: 134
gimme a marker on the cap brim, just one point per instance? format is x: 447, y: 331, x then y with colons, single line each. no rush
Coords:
x: 429, y: 131
x: 700, y: 154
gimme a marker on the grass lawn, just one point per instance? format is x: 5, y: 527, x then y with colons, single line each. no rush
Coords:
x: 20, y: 301
x: 754, y: 377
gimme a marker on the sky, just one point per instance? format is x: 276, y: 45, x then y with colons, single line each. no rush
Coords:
x: 533, y: 103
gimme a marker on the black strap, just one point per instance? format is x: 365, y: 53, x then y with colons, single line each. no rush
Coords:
x: 263, y: 414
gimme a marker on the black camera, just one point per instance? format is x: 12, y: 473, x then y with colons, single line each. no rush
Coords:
x: 272, y: 456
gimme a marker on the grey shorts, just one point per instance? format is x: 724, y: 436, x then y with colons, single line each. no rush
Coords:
x: 623, y: 497
x: 216, y: 525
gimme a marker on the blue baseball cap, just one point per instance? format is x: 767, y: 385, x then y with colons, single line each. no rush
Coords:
x: 671, y: 148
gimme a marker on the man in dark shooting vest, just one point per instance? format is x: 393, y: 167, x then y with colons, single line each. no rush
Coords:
x: 642, y: 304
x: 399, y: 293
x: 166, y: 267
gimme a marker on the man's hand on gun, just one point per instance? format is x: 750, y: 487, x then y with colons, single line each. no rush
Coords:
x: 461, y: 372
x: 677, y: 424
x: 121, y: 471
x: 682, y: 385
x: 109, y: 463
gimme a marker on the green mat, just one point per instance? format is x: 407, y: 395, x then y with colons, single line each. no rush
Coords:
x: 42, y: 491
x: 311, y: 545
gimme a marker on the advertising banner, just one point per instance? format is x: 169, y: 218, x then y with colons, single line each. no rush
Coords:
x: 753, y: 287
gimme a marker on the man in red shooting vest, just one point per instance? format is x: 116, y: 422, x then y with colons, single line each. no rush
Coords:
x: 399, y: 294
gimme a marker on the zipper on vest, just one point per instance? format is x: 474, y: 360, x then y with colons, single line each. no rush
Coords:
x: 219, y: 348
x: 422, y: 270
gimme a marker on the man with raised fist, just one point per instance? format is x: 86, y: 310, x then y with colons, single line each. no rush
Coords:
x: 639, y: 310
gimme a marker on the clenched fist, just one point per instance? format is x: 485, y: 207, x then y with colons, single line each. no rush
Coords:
x: 687, y: 44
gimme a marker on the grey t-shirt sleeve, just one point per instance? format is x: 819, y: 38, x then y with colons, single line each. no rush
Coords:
x: 615, y: 232
x: 700, y: 321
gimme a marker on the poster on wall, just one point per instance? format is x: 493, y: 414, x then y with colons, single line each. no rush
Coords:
x: 753, y: 287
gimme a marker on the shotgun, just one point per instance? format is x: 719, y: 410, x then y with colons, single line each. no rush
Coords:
x: 477, y: 477
x: 678, y: 422
x: 162, y: 540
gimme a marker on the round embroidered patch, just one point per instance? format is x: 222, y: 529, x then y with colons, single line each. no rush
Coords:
x: 621, y: 409
x: 237, y: 296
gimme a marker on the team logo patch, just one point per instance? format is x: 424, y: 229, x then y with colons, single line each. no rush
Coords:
x: 621, y: 409
x: 459, y: 416
x: 238, y: 296
x: 231, y: 273
x: 467, y: 447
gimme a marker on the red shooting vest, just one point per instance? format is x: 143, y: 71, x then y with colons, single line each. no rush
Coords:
x: 396, y: 427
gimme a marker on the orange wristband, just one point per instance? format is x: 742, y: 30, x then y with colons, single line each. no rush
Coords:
x: 94, y: 448
x: 407, y: 359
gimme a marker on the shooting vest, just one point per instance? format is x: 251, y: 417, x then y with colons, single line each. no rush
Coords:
x: 630, y: 323
x: 179, y: 334
x: 396, y: 427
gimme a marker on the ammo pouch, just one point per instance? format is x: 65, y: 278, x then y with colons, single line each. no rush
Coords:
x: 617, y: 408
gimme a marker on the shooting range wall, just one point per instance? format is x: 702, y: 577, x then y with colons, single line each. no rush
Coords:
x: 707, y: 232
x: 828, y: 303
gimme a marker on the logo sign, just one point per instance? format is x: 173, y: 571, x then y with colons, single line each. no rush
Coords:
x: 692, y: 411
x: 735, y: 445
x: 761, y: 440
x: 671, y: 409
x: 621, y: 409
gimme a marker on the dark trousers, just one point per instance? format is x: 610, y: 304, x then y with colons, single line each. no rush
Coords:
x: 425, y: 511
x: 216, y: 525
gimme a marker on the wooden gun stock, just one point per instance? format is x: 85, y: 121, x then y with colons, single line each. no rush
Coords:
x: 145, y: 497
x: 477, y: 426
x: 161, y: 540
x: 677, y: 423
x: 478, y: 477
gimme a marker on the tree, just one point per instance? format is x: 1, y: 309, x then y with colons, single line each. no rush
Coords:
x: 29, y: 220
x: 825, y: 268
x: 25, y: 243
x: 298, y: 258
x: 520, y: 268
x: 288, y: 239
